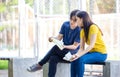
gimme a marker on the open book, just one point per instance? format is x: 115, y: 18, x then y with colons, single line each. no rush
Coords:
x: 58, y: 43
x: 68, y: 56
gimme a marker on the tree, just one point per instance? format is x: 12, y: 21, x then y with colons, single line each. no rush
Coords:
x: 106, y: 6
x: 30, y: 2
x: 2, y: 7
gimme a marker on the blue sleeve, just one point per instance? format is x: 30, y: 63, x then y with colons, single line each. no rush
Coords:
x: 77, y: 38
x: 62, y: 30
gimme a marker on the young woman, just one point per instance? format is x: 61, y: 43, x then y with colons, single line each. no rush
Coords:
x: 92, y: 35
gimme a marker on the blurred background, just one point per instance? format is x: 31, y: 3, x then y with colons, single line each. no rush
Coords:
x: 25, y: 25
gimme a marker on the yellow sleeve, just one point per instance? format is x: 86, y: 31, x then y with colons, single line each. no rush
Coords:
x: 81, y: 33
x: 93, y: 29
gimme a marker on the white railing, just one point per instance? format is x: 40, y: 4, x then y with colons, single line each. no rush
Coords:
x: 50, y: 26
x: 109, y: 23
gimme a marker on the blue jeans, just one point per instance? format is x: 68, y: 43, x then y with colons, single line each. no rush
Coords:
x: 54, y: 56
x: 78, y: 66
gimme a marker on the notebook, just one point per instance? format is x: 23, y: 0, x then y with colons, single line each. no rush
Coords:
x: 68, y: 56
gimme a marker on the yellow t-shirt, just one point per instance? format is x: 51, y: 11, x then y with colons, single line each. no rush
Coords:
x: 99, y: 44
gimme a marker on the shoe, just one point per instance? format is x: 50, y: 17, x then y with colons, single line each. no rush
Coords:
x: 34, y: 68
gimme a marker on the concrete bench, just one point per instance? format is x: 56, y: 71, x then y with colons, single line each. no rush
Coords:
x: 17, y: 67
x: 110, y: 69
x: 63, y: 69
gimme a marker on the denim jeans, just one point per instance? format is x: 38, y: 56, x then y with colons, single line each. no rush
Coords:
x: 78, y: 66
x: 54, y: 56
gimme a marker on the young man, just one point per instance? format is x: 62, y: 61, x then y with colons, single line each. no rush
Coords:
x: 69, y: 34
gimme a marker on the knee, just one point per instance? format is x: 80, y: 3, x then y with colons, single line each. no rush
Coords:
x: 81, y: 60
x: 55, y: 47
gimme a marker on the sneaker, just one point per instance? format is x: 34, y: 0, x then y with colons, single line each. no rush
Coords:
x: 34, y: 68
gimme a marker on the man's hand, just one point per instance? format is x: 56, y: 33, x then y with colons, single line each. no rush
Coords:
x: 50, y: 39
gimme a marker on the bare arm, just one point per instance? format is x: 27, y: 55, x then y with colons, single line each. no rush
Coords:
x: 74, y: 46
x: 59, y: 37
x: 83, y: 51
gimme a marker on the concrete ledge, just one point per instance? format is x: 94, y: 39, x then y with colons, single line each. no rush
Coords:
x: 17, y: 68
x: 110, y: 69
x: 63, y: 69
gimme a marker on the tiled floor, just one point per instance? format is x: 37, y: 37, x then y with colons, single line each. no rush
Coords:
x: 20, y: 66
x: 3, y: 73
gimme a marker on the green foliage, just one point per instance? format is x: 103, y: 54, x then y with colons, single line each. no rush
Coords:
x: 13, y: 2
x: 2, y: 7
x: 29, y: 2
x: 106, y: 6
x: 3, y: 64
x: 1, y: 28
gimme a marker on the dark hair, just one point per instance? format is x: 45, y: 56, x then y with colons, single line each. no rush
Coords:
x: 87, y: 22
x: 73, y: 13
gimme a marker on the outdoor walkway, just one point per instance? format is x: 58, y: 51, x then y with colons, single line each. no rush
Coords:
x: 3, y: 73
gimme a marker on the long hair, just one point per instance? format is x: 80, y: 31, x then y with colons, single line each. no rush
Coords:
x: 87, y: 22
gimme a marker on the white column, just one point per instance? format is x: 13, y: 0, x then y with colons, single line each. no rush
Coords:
x: 51, y: 7
x: 117, y: 6
x: 69, y: 6
x: 22, y: 27
x: 36, y: 7
x: 37, y: 34
x: 43, y: 6
x: 64, y: 7
x: 82, y: 5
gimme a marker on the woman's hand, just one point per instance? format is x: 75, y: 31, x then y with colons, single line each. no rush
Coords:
x: 74, y: 57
